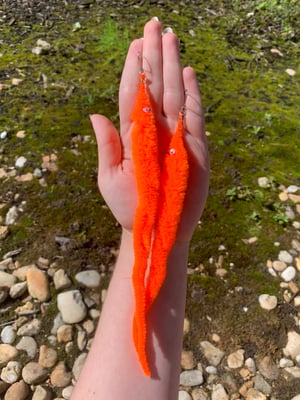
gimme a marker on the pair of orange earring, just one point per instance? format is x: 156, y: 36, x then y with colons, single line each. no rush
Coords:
x: 161, y: 170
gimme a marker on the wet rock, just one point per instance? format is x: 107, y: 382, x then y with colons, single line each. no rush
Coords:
x: 7, y: 353
x: 7, y: 280
x: 211, y: 353
x: 31, y: 328
x: 8, y: 334
x: 191, y: 378
x: 71, y: 306
x: 19, y: 390
x: 292, y: 348
x: 183, y: 395
x: 47, y: 356
x: 29, y: 345
x: 34, y: 373
x: 90, y: 278
x: 268, y: 368
x: 78, y: 365
x: 219, y: 393
x: 236, y: 359
x: 267, y: 302
x: 60, y: 377
x: 38, y: 284
x: 11, y: 372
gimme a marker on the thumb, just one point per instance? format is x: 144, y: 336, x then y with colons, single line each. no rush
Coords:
x: 108, y: 140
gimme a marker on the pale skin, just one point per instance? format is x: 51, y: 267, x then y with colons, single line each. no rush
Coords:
x: 112, y: 370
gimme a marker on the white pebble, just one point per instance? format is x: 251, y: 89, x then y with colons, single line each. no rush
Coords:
x: 267, y: 302
x: 71, y: 306
x: 3, y: 135
x: 263, y: 182
x: 285, y: 256
x: 292, y: 189
x: 20, y: 162
x: 183, y: 395
x: 285, y: 362
x: 288, y: 274
x: 8, y: 334
x: 89, y: 278
x: 191, y: 378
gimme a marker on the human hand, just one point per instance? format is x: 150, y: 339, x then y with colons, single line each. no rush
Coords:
x: 170, y: 88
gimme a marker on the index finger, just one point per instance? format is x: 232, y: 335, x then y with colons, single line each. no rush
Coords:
x: 130, y: 83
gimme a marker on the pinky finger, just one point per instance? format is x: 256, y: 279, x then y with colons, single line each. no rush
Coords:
x: 194, y: 115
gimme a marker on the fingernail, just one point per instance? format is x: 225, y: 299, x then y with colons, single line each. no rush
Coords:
x: 168, y: 30
x: 155, y: 19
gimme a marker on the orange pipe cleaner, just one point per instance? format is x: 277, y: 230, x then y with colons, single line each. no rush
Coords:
x: 161, y: 190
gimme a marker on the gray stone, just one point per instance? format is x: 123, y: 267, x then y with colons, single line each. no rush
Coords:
x: 78, y: 365
x: 17, y: 290
x: 89, y: 278
x: 71, y: 306
x: 7, y: 280
x: 191, y: 378
x: 29, y: 345
x: 285, y: 256
x: 262, y: 385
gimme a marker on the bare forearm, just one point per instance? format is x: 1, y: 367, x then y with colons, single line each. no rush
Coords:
x: 112, y: 368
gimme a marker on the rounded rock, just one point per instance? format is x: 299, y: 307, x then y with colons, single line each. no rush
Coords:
x: 191, y: 378
x: 11, y: 372
x: 60, y: 377
x: 38, y: 284
x: 285, y: 256
x: 17, y: 290
x: 78, y: 365
x: 267, y: 302
x: 34, y: 373
x: 289, y: 274
x: 8, y: 334
x: 18, y: 390
x: 47, y: 356
x: 61, y: 280
x: 211, y: 353
x: 183, y: 395
x: 71, y: 306
x: 29, y: 345
x: 268, y: 368
x: 279, y: 266
x: 292, y: 348
x: 236, y: 359
x: 219, y: 393
x: 187, y: 360
x: 31, y: 328
x: 7, y: 280
x: 7, y: 353
x: 41, y: 393
x: 64, y: 333
x: 67, y: 392
x: 89, y: 278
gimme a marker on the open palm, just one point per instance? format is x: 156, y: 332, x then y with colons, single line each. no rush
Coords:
x: 170, y: 88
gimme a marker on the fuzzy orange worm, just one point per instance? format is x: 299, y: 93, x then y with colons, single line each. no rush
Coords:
x: 145, y: 155
x: 174, y: 179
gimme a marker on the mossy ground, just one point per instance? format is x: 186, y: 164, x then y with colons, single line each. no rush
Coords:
x: 252, y: 113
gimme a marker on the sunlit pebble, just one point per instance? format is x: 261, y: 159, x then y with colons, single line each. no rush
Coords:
x: 272, y: 272
x: 290, y: 72
x: 221, y: 247
x: 3, y: 135
x: 277, y: 244
x: 20, y: 134
x: 245, y: 309
x: 20, y: 162
x: 292, y: 189
x: 16, y: 81
x: 207, y: 133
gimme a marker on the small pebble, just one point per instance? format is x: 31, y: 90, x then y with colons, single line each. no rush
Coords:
x: 267, y: 302
x: 288, y: 274
x: 191, y: 378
